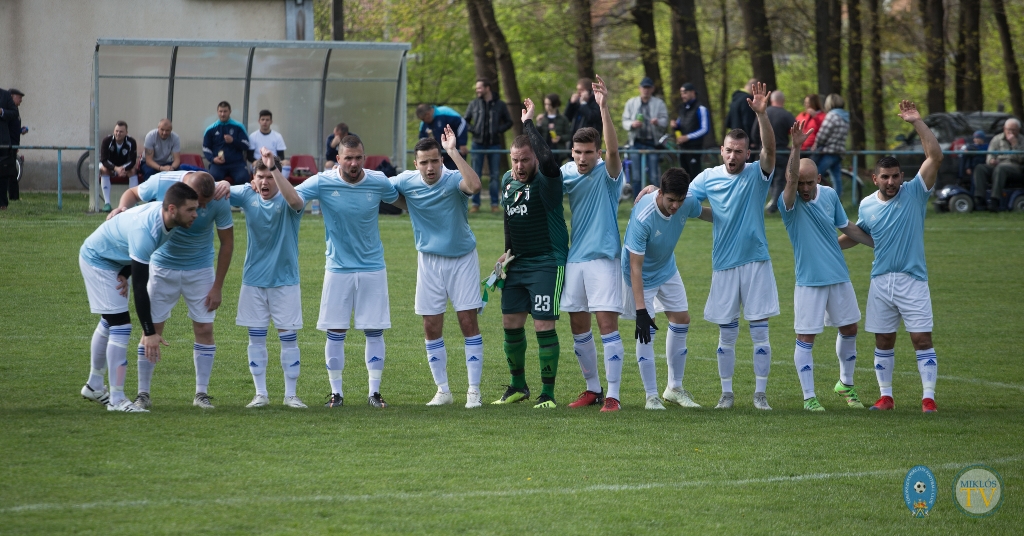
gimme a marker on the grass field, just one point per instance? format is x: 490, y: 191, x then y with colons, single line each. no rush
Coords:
x: 68, y: 466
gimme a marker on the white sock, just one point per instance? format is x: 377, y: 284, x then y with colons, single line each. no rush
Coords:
x: 648, y: 372
x: 846, y: 351
x: 613, y: 354
x: 290, y: 362
x: 98, y: 355
x: 586, y: 354
x: 105, y: 186
x: 374, y: 356
x: 474, y: 360
x: 437, y: 359
x: 133, y: 181
x: 804, y: 361
x: 257, y: 352
x: 675, y: 353
x: 145, y: 370
x: 727, y: 335
x: 885, y: 360
x: 117, y: 360
x: 928, y: 366
x: 762, y: 355
x: 202, y: 357
x: 335, y: 354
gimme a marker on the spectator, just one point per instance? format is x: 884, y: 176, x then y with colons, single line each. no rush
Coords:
x: 226, y: 146
x: 118, y: 154
x: 434, y: 119
x: 271, y: 139
x: 645, y: 119
x: 16, y: 130
x: 693, y: 124
x: 162, y: 148
x: 8, y: 168
x: 740, y: 115
x: 582, y: 109
x: 830, y: 143
x: 488, y: 119
x: 969, y: 161
x: 333, y: 141
x: 781, y: 121
x: 553, y: 125
x: 812, y: 117
x: 999, y: 167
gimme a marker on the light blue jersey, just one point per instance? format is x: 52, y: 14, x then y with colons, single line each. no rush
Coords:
x: 192, y: 248
x: 738, y: 204
x: 897, y: 226
x: 654, y: 235
x: 812, y: 230
x: 438, y: 212
x: 272, y: 239
x: 132, y: 235
x: 350, y: 218
x: 594, y: 203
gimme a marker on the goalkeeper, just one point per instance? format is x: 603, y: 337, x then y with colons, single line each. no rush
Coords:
x: 536, y: 244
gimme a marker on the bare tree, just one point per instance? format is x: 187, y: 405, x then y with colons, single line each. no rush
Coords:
x: 854, y: 68
x: 934, y: 13
x: 723, y: 90
x: 483, y: 53
x: 643, y: 14
x: 580, y: 17
x: 687, y: 62
x: 759, y: 41
x: 974, y: 100
x: 827, y: 29
x: 875, y: 55
x: 1009, y: 60
x: 959, y: 65
x: 503, y: 57
x: 338, y: 20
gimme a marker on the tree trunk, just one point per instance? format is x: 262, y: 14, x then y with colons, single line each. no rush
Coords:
x: 934, y: 39
x: 643, y: 14
x: 855, y: 59
x: 483, y: 53
x: 687, y: 62
x: 827, y: 30
x: 974, y: 100
x: 723, y: 92
x: 958, y: 58
x: 580, y: 16
x: 503, y: 57
x: 1009, y: 60
x: 875, y: 53
x: 759, y: 41
x: 338, y: 20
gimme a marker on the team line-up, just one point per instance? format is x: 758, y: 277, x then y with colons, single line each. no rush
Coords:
x: 164, y: 250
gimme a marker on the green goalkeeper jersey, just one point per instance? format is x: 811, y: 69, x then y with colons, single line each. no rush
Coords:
x: 534, y: 221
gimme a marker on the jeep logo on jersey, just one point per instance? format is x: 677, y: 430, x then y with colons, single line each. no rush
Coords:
x: 512, y: 211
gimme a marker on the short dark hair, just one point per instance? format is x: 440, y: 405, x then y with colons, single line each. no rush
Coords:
x: 178, y: 194
x: 556, y: 101
x: 351, y: 141
x: 121, y: 124
x: 675, y: 181
x: 422, y: 110
x: 427, y: 144
x: 203, y: 183
x: 815, y: 101
x: 587, y: 135
x: 258, y: 165
x: 486, y: 82
x: 224, y: 104
x: 738, y: 134
x: 887, y: 162
x: 522, y: 141
x: 342, y: 127
x: 265, y: 112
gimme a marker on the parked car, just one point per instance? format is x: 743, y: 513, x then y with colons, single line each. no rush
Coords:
x: 953, y: 130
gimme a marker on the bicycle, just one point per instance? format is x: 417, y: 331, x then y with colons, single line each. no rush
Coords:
x: 85, y: 163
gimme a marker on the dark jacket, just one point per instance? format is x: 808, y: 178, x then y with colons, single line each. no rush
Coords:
x: 111, y: 157
x: 562, y: 127
x: 781, y: 121
x: 488, y: 121
x: 9, y: 113
x: 740, y: 115
x: 694, y: 121
x: 234, y: 152
x: 587, y: 115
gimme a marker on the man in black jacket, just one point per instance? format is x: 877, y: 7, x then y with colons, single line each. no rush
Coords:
x: 8, y: 169
x: 582, y: 109
x: 740, y: 115
x: 118, y: 155
x: 488, y: 119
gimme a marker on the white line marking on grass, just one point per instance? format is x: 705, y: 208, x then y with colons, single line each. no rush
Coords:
x: 236, y: 501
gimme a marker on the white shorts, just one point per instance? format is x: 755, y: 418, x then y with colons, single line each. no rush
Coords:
x: 893, y: 296
x: 101, y: 286
x: 830, y: 305
x: 166, y: 285
x: 366, y: 293
x: 670, y: 296
x: 751, y: 285
x: 440, y: 278
x: 257, y: 306
x: 592, y: 286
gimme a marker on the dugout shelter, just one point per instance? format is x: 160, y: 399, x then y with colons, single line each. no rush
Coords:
x: 309, y: 86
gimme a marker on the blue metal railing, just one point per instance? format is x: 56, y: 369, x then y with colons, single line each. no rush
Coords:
x: 60, y: 149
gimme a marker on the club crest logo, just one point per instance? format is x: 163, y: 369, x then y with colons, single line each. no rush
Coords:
x: 978, y: 491
x: 919, y: 490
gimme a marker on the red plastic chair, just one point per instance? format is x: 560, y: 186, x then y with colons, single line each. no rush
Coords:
x: 302, y: 161
x: 374, y: 161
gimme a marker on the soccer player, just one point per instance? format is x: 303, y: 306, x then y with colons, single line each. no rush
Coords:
x: 270, y: 276
x: 437, y: 199
x: 592, y: 280
x: 741, y: 268
x: 823, y: 292
x: 355, y: 278
x: 536, y: 247
x: 120, y: 248
x: 894, y: 217
x: 651, y: 283
x: 183, y: 267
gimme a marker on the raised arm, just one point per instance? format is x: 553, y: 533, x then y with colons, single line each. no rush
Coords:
x: 546, y: 162
x: 932, y: 152
x: 470, y: 180
x: 287, y: 190
x: 759, y: 104
x: 797, y: 134
x: 612, y: 160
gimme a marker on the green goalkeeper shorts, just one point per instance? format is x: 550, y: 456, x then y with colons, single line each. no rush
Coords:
x: 533, y: 290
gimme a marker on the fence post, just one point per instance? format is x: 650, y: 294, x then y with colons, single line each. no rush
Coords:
x: 60, y: 190
x: 855, y: 187
x: 643, y: 170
